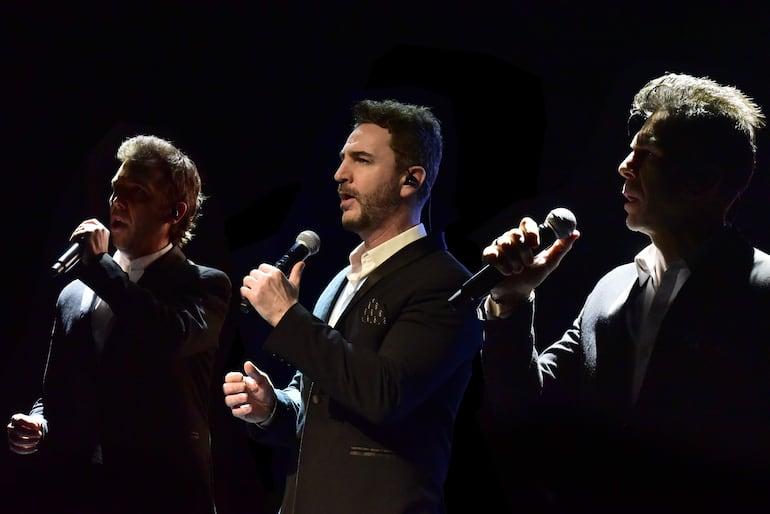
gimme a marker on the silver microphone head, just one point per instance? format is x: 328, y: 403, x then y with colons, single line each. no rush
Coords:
x: 309, y: 239
x: 561, y: 221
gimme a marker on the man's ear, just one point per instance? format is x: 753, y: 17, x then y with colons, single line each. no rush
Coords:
x: 178, y: 211
x: 415, y: 177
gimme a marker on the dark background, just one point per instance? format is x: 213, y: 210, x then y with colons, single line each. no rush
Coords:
x: 533, y: 99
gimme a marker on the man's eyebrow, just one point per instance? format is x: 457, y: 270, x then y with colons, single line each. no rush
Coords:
x: 356, y: 153
x: 646, y: 138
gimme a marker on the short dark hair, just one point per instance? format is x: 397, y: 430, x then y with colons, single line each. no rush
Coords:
x: 184, y: 182
x: 415, y: 134
x: 703, y: 126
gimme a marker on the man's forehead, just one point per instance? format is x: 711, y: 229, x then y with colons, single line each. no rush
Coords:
x: 134, y: 172
x: 648, y: 133
x: 368, y: 135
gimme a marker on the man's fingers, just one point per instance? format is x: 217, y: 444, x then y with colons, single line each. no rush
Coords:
x: 234, y: 376
x: 241, y: 411
x: 236, y: 400
x: 528, y: 228
x: 25, y: 424
x: 23, y: 436
x: 25, y: 440
x: 233, y: 387
x: 22, y: 450
x: 26, y: 430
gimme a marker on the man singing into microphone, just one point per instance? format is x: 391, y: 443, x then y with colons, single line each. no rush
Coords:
x: 657, y: 399
x: 383, y: 359
x: 123, y: 417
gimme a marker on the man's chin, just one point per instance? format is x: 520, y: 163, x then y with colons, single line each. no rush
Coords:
x: 634, y: 225
x: 352, y: 224
x: 118, y: 242
x: 349, y: 224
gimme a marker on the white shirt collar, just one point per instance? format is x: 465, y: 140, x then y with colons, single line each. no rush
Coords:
x: 363, y: 263
x: 650, y: 263
x: 135, y: 268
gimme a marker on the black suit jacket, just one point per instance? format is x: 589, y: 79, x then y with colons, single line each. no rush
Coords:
x: 696, y: 438
x: 143, y: 399
x: 371, y: 411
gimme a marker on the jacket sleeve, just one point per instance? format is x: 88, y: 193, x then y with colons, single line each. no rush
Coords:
x: 183, y: 317
x: 392, y: 367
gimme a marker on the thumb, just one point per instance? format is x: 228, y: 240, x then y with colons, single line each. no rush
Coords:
x: 296, y: 273
x: 556, y: 252
x: 564, y: 245
x: 251, y: 370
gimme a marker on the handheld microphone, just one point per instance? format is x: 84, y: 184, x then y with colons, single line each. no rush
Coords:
x: 67, y: 260
x: 561, y: 223
x: 307, y: 243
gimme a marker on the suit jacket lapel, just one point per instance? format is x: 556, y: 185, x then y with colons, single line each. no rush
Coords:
x: 696, y: 325
x: 160, y: 270
x: 615, y: 350
x: 403, y: 257
x: 87, y: 300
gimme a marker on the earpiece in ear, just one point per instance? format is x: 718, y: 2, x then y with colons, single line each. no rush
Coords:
x: 175, y: 212
x: 410, y: 180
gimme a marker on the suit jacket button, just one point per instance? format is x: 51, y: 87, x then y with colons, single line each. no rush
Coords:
x: 315, y: 399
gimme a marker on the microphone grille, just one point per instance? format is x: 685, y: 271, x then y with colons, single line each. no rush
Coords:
x: 311, y: 240
x: 561, y: 221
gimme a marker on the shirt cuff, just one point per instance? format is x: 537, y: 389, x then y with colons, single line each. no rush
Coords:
x: 266, y: 423
x: 488, y: 309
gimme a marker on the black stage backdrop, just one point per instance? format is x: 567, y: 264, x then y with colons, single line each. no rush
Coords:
x: 534, y: 101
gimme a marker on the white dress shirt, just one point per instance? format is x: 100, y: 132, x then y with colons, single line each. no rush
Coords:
x: 660, y: 285
x: 362, y: 263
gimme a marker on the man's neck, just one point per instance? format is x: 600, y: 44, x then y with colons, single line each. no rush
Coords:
x: 143, y: 253
x: 677, y: 244
x: 386, y: 232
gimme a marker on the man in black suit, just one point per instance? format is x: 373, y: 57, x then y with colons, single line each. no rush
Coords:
x: 123, y: 417
x: 657, y: 399
x: 383, y: 360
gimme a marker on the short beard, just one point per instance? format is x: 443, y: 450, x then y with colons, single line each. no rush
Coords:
x: 375, y: 209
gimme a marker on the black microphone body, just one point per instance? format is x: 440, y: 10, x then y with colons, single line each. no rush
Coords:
x: 307, y: 243
x: 297, y: 252
x: 561, y: 223
x: 68, y: 259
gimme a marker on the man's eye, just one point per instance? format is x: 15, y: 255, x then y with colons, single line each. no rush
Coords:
x: 135, y: 194
x: 643, y: 154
